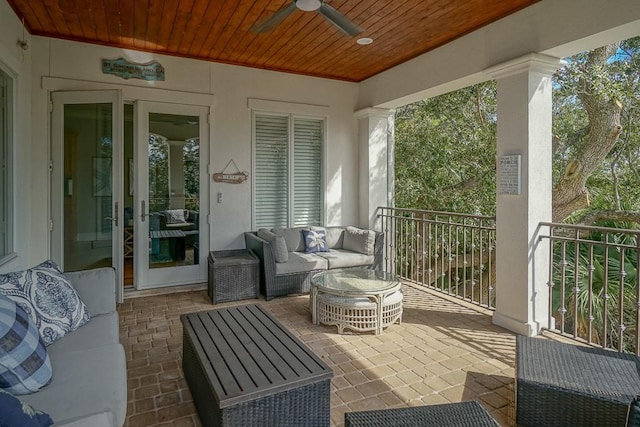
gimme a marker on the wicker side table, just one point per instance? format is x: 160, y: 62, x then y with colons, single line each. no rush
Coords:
x: 233, y: 275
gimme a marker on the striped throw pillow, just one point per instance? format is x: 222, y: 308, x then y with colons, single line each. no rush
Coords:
x: 24, y: 362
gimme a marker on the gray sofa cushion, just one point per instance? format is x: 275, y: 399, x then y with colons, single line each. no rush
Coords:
x: 278, y: 244
x: 293, y: 237
x: 341, y: 258
x: 335, y: 236
x: 359, y: 240
x: 85, y: 382
x: 99, y: 331
x: 300, y: 262
x: 96, y: 288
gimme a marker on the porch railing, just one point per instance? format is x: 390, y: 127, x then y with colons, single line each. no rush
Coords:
x: 594, y: 286
x: 449, y: 252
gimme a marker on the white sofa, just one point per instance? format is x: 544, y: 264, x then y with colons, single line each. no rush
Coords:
x: 89, y: 384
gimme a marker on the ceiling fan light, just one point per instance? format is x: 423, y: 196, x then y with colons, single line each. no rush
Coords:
x: 308, y: 5
x: 364, y: 41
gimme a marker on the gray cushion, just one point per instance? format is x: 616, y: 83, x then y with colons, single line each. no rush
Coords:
x: 99, y: 331
x: 335, y: 236
x: 341, y: 258
x: 97, y: 288
x: 293, y: 237
x: 278, y: 244
x: 300, y: 262
x: 359, y: 240
x: 85, y: 382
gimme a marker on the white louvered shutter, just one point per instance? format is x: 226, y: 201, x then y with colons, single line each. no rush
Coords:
x: 307, y: 181
x: 271, y: 172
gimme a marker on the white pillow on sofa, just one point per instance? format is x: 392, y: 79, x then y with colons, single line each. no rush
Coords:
x: 176, y: 216
x: 49, y: 298
x: 359, y: 240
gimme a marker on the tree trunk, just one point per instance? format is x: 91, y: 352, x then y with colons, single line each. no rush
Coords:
x: 570, y: 193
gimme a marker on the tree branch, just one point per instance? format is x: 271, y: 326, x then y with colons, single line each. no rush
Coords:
x: 592, y: 217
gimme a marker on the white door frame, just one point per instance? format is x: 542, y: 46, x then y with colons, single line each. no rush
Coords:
x: 59, y: 99
x: 144, y: 277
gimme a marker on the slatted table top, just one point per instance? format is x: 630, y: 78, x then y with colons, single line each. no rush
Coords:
x: 247, y: 354
x: 166, y: 234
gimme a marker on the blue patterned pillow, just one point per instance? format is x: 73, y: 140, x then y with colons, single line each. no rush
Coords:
x: 315, y: 241
x: 45, y: 293
x: 24, y: 363
x: 15, y: 413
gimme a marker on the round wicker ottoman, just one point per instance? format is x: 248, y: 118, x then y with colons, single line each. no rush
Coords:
x: 358, y: 313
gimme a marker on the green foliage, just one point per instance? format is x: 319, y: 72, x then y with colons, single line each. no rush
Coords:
x: 446, y: 146
x: 591, y: 296
x: 445, y: 152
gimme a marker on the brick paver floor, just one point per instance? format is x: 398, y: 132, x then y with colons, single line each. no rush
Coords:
x: 442, y: 352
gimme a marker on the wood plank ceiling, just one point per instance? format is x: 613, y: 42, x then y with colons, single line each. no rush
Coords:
x: 304, y: 43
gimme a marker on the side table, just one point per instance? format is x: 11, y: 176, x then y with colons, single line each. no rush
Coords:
x: 233, y: 275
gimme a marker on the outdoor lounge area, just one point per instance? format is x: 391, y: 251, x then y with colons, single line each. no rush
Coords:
x: 154, y: 139
x: 444, y: 351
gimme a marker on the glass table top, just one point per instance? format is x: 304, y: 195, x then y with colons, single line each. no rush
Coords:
x: 355, y: 281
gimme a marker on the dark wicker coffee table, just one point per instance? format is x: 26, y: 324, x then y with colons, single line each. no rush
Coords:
x: 568, y: 385
x: 462, y: 414
x: 244, y: 368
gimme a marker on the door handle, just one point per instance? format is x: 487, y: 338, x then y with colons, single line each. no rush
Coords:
x: 143, y: 213
x: 113, y: 219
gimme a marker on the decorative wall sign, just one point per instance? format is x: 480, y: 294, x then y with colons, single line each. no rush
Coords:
x: 509, y: 175
x: 151, y: 71
x: 231, y: 177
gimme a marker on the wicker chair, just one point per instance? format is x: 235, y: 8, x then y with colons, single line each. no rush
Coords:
x: 561, y: 384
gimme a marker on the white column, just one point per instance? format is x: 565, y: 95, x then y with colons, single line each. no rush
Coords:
x: 375, y: 153
x: 176, y: 174
x: 524, y: 130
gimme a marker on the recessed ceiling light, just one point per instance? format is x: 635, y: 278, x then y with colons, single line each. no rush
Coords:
x: 364, y: 41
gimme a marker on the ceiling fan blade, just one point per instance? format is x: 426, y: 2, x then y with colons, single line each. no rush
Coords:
x: 339, y: 20
x: 274, y: 20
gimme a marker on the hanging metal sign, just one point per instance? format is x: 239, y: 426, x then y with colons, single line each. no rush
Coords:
x: 151, y: 71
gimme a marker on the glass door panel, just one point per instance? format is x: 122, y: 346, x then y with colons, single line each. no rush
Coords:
x: 170, y: 171
x: 86, y: 151
x: 88, y: 184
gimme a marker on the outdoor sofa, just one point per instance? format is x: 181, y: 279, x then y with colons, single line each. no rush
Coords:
x: 286, y: 266
x: 89, y: 384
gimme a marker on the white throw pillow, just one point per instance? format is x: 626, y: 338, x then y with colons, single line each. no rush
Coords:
x: 176, y: 216
x: 47, y: 295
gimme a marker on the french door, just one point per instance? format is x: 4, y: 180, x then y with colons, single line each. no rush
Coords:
x: 171, y: 194
x: 86, y: 163
x: 129, y: 188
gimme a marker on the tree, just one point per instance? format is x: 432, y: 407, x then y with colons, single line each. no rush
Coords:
x: 445, y: 146
x: 445, y: 152
x: 596, y: 158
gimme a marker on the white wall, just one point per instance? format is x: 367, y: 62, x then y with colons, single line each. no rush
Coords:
x: 557, y: 28
x: 65, y: 65
x: 29, y: 227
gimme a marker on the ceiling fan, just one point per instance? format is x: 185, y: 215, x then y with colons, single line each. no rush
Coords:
x: 332, y: 15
